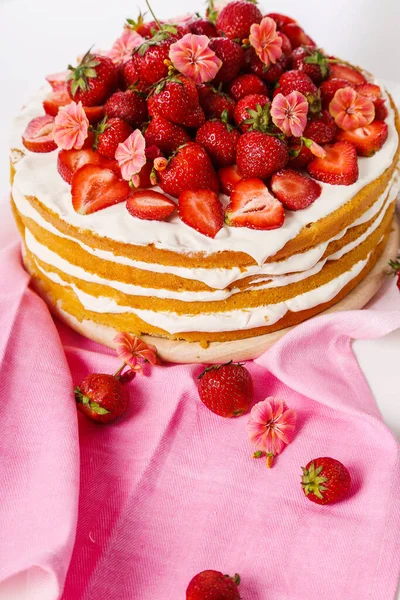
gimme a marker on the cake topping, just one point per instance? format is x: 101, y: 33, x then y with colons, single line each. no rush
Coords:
x: 192, y: 56
x: 150, y: 205
x: 338, y: 167
x: 93, y: 80
x: 71, y: 127
x: 254, y: 207
x: 289, y: 113
x: 351, y: 110
x: 201, y: 210
x: 131, y: 155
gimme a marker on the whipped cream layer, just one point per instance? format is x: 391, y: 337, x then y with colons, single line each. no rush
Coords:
x: 37, y: 175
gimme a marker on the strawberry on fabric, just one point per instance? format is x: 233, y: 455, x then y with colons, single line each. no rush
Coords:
x: 295, y: 190
x: 131, y: 106
x: 325, y: 480
x: 297, y: 35
x: 203, y: 27
x: 260, y: 155
x: 229, y: 177
x: 253, y: 112
x: 38, y: 135
x: 176, y: 99
x: 150, y: 58
x: 150, y: 205
x: 101, y: 397
x: 368, y: 139
x: 227, y: 390
x: 312, y: 62
x: 214, y: 102
x: 251, y: 205
x: 110, y: 133
x: 55, y: 100
x: 201, y: 210
x: 220, y: 140
x: 93, y: 80
x: 339, y: 167
x: 94, y: 187
x: 69, y: 161
x: 236, y: 18
x: 348, y: 73
x: 329, y: 88
x: 395, y: 266
x: 246, y: 84
x: 213, y: 585
x: 165, y: 135
x: 298, y: 81
x: 232, y: 56
x: 190, y: 168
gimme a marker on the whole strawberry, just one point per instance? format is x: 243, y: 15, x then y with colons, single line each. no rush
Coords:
x: 190, y: 168
x: 176, y: 99
x: 227, y: 390
x: 321, y: 129
x: 214, y: 103
x: 93, y: 80
x: 150, y: 58
x: 131, y: 106
x: 101, y: 397
x: 236, y: 18
x: 253, y: 111
x: 325, y: 480
x: 213, y: 585
x: 329, y: 88
x: 298, y: 81
x: 269, y: 74
x: 110, y: 133
x: 129, y: 77
x: 165, y: 135
x: 203, y: 27
x: 232, y: 56
x: 246, y: 84
x: 260, y: 155
x: 312, y: 62
x: 220, y: 140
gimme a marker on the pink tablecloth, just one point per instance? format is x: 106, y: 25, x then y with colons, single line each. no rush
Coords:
x: 132, y: 511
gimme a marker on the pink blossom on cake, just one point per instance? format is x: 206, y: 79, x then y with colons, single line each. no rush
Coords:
x: 351, y: 110
x: 289, y: 113
x: 192, y: 57
x: 131, y: 156
x: 266, y: 42
x: 123, y: 47
x: 71, y: 126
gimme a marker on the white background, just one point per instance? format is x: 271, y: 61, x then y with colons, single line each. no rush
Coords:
x: 38, y: 37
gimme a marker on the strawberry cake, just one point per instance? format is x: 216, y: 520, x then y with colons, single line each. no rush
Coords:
x: 207, y: 179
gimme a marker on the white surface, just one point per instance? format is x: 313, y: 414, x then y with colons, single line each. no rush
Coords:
x: 42, y: 36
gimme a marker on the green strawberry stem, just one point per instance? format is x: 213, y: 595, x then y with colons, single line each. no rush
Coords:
x: 395, y: 265
x: 153, y: 15
x: 86, y: 401
x: 313, y: 482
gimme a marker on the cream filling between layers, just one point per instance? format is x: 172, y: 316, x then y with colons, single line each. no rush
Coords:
x: 37, y: 175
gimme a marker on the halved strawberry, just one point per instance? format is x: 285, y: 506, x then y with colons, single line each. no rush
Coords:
x: 348, y: 73
x: 254, y: 207
x: 58, y: 81
x: 95, y: 187
x: 339, y: 167
x: 369, y: 90
x: 69, y: 161
x: 295, y: 190
x: 150, y: 205
x: 55, y: 100
x: 202, y: 210
x: 229, y: 177
x: 381, y: 111
x: 367, y: 140
x: 94, y: 113
x: 38, y: 136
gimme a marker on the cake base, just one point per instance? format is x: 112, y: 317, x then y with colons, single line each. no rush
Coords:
x: 219, y: 352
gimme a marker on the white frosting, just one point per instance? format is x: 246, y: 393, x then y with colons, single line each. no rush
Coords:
x: 37, y: 175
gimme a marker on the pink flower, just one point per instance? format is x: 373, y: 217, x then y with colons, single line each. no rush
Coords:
x: 315, y: 148
x: 191, y: 56
x: 124, y: 46
x: 271, y: 427
x: 71, y: 126
x: 266, y: 41
x: 289, y: 113
x: 351, y: 110
x: 131, y: 348
x: 131, y: 155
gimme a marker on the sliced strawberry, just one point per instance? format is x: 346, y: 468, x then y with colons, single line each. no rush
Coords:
x: 55, y: 100
x: 69, y: 161
x: 367, y: 140
x: 294, y: 190
x: 95, y: 187
x: 339, y: 167
x: 58, y: 81
x: 229, y: 177
x: 280, y: 19
x: 150, y: 205
x: 94, y: 113
x: 254, y: 207
x: 369, y: 90
x: 201, y: 210
x: 348, y: 73
x: 381, y: 111
x: 38, y: 136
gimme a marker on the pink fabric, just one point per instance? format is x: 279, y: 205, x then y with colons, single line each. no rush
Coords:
x: 137, y: 508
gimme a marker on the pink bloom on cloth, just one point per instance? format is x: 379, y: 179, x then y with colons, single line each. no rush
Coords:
x: 131, y: 155
x: 131, y: 348
x: 123, y: 47
x: 289, y: 113
x: 71, y: 126
x: 265, y: 40
x: 351, y: 110
x: 134, y: 510
x: 192, y: 57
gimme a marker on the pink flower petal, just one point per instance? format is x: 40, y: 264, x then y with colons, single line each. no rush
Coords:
x: 131, y: 348
x: 130, y: 155
x: 71, y: 126
x: 317, y: 150
x: 351, y: 110
x: 123, y: 47
x: 289, y: 113
x: 192, y: 57
x: 266, y: 41
x: 271, y: 426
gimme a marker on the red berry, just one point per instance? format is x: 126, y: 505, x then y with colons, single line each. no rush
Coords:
x: 131, y: 106
x: 69, y: 161
x: 165, y: 135
x: 346, y: 72
x: 101, y: 397
x: 38, y: 135
x: 94, y: 187
x: 150, y: 205
x: 329, y: 88
x: 367, y: 140
x: 213, y: 585
x: 325, y: 480
x: 255, y: 107
x: 149, y: 58
x: 280, y: 20
x: 109, y: 134
x: 295, y: 190
x: 129, y: 76
x: 297, y: 35
x: 229, y: 177
x: 251, y: 205
x: 55, y: 100
x: 322, y: 129
x: 298, y: 81
x: 232, y: 56
x: 203, y: 27
x: 220, y: 140
x: 177, y: 100
x: 201, y: 210
x: 94, y: 113
x: 303, y: 157
x: 93, y: 80
x: 339, y: 167
x: 236, y: 18
x: 260, y: 155
x: 312, y: 62
x: 286, y: 45
x: 246, y: 84
x: 58, y: 81
x: 214, y: 103
x: 227, y: 390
